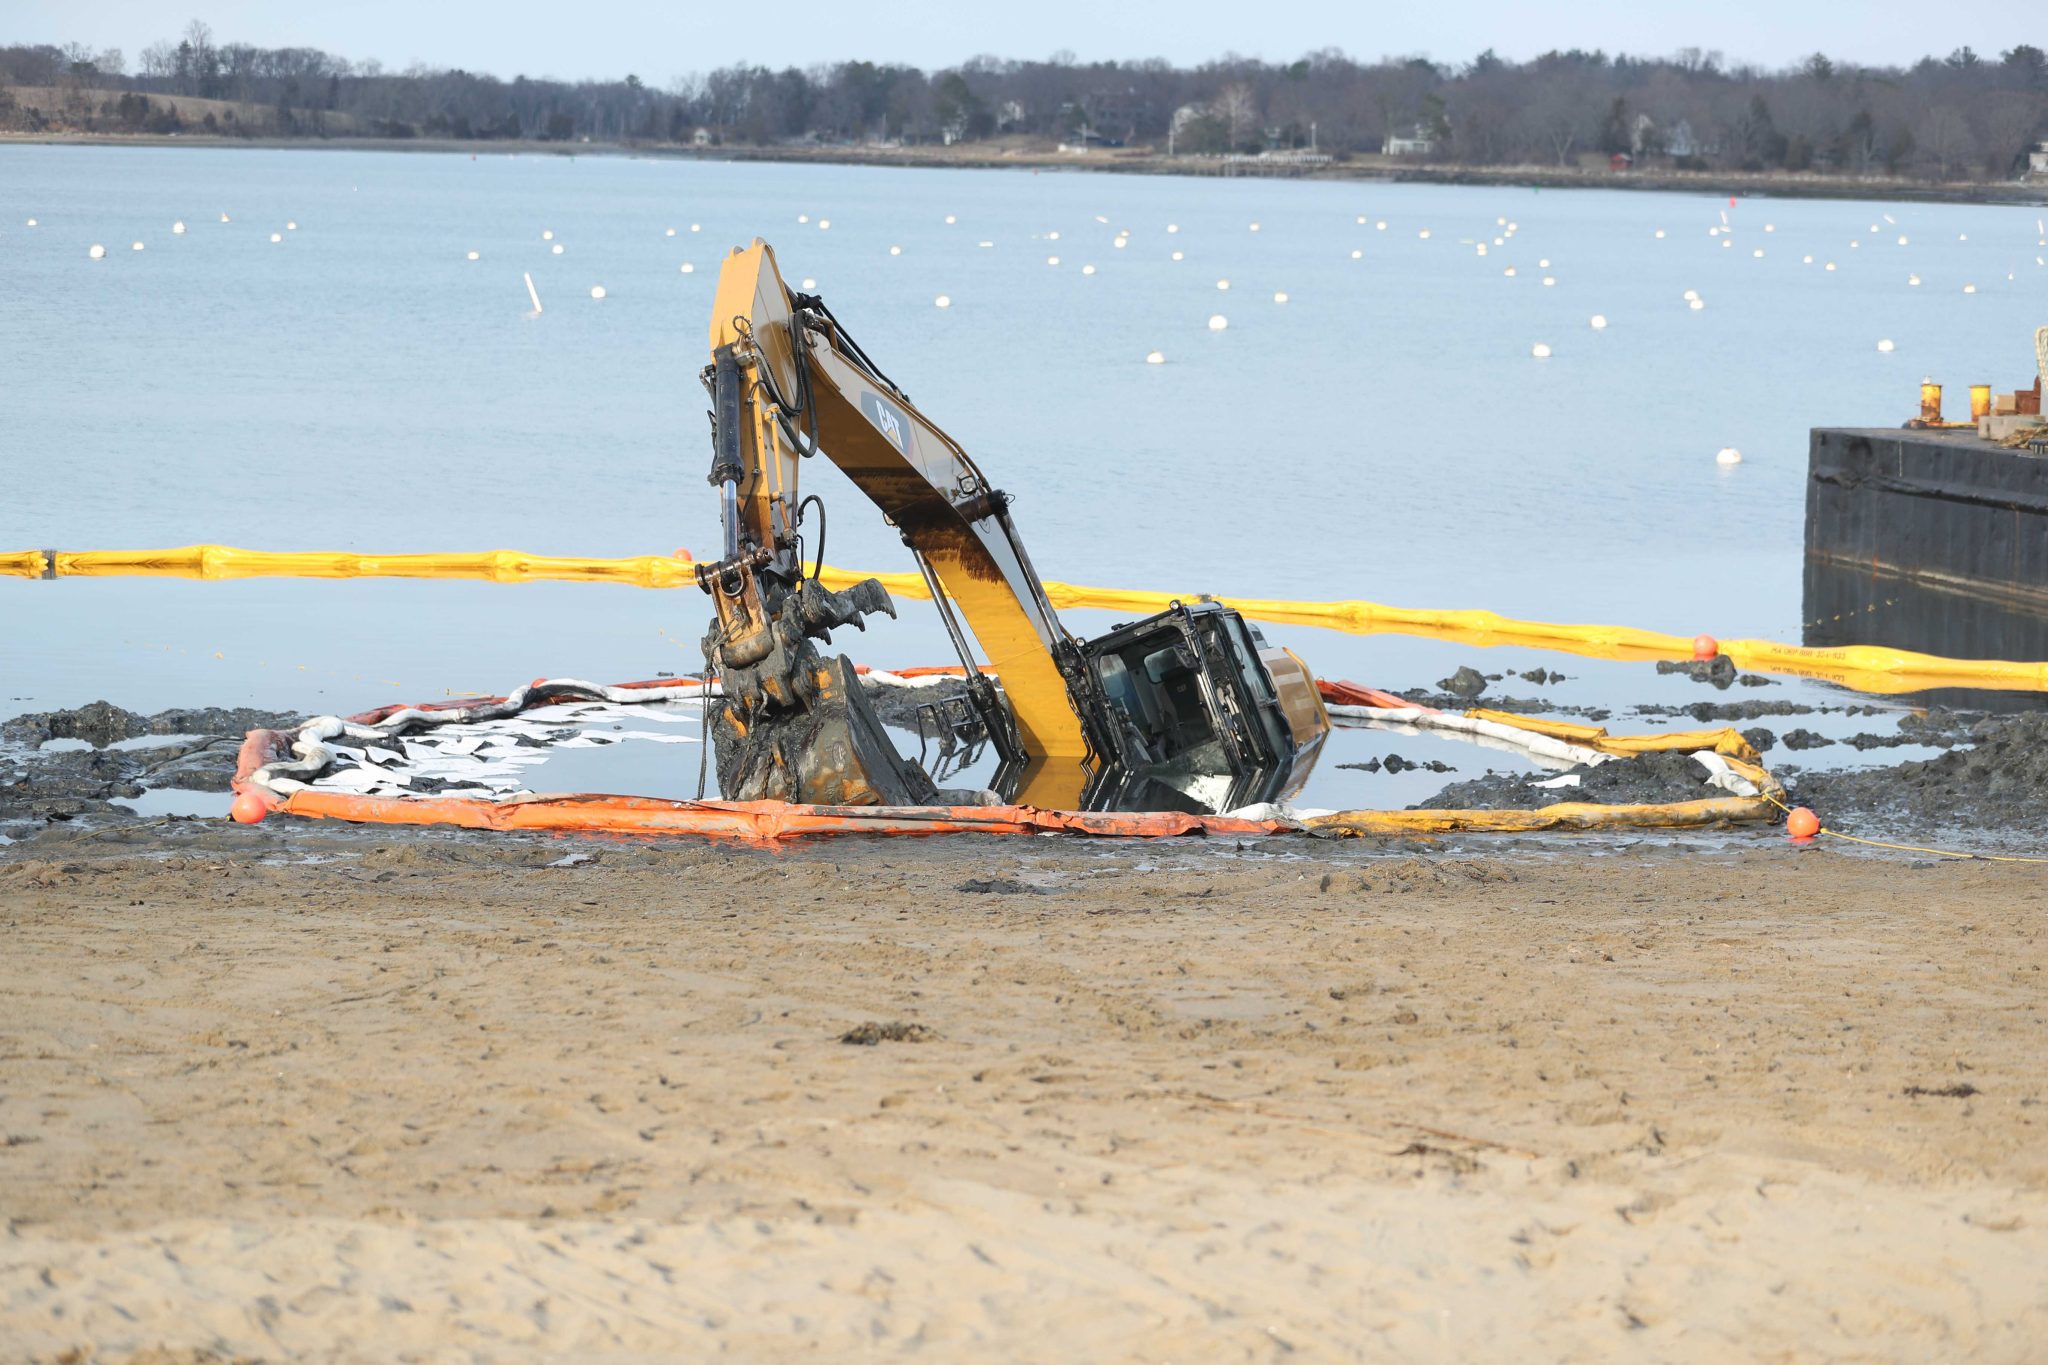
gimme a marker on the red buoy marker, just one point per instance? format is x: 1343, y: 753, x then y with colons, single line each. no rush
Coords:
x: 1801, y: 824
x: 248, y: 809
x: 1705, y: 647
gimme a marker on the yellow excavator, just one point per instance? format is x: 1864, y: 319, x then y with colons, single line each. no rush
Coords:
x: 1187, y: 710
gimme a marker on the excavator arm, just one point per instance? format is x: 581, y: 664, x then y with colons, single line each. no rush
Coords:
x: 1188, y: 709
x: 789, y: 383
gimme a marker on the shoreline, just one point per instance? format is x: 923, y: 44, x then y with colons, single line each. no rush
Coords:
x: 267, y: 1088
x: 1373, y: 171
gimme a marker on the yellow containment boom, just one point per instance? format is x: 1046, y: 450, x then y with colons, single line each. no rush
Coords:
x: 217, y: 562
x: 1864, y: 668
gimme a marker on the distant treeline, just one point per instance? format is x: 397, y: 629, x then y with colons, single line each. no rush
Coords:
x: 1963, y: 116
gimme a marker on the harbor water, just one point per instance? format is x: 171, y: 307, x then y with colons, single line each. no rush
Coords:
x: 317, y: 362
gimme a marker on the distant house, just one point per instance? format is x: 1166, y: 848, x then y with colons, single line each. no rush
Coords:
x: 1641, y: 134
x: 1620, y: 161
x: 701, y: 138
x: 2037, y: 160
x: 1681, y: 142
x: 1416, y: 142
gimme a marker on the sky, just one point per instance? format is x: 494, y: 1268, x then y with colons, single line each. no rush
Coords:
x: 661, y: 39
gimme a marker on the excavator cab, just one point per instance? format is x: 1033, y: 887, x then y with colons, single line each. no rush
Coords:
x: 1199, y: 722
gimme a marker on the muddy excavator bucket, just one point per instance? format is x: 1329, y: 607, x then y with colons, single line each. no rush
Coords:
x: 794, y: 726
x: 831, y: 752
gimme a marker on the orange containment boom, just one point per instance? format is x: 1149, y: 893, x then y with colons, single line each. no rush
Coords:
x: 746, y: 821
x: 755, y: 821
x: 268, y: 757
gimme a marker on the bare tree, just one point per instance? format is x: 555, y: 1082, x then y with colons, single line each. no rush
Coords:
x: 1564, y: 119
x: 1944, y: 140
x: 1238, y: 110
x: 2011, y: 120
x: 159, y: 60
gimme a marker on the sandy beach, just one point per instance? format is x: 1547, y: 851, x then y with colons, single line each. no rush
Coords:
x: 294, y: 1093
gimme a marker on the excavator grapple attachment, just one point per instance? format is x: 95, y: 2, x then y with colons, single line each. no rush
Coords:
x: 792, y: 725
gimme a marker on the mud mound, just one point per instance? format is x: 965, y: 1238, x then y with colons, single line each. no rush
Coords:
x: 1641, y: 780
x: 2000, y: 783
x: 872, y: 1033
x: 1528, y: 706
x: 39, y: 786
x: 102, y: 723
x: 1730, y: 710
x: 1718, y: 671
x: 895, y: 704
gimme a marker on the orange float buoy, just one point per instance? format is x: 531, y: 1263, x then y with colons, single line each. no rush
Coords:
x: 248, y: 809
x: 1705, y: 647
x: 1801, y: 824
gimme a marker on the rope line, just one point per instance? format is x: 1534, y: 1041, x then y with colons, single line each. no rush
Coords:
x: 1914, y: 848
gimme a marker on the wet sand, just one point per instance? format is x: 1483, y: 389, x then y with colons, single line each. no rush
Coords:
x: 292, y: 1092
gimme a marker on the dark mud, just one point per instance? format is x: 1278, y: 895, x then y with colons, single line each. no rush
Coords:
x: 895, y: 1031
x: 102, y: 723
x: 899, y: 706
x: 1641, y: 780
x: 1468, y: 682
x: 1705, y: 711
x: 1394, y: 763
x: 1999, y: 782
x: 1521, y: 706
x: 40, y: 786
x: 1718, y: 671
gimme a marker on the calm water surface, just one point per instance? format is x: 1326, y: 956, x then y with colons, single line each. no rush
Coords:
x: 1384, y: 433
